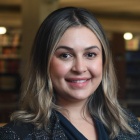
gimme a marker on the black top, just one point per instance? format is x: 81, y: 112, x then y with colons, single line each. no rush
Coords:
x: 73, y: 134
x: 60, y: 129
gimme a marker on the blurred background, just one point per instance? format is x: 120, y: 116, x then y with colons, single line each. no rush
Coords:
x: 20, y: 19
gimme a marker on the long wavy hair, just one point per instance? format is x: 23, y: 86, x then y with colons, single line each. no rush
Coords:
x: 37, y: 98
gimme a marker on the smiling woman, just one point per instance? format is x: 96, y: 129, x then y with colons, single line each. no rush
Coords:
x: 70, y: 91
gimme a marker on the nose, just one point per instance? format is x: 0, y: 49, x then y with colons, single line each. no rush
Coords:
x: 79, y: 66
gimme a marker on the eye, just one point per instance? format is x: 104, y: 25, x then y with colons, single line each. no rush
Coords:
x: 65, y: 56
x: 90, y: 55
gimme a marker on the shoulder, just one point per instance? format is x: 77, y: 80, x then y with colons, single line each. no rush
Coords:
x: 24, y: 131
x: 15, y: 130
x: 135, y: 124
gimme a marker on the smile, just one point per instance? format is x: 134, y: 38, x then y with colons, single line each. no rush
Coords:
x: 77, y: 80
x: 78, y: 83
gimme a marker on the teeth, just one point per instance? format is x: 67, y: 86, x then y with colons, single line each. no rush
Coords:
x: 79, y: 81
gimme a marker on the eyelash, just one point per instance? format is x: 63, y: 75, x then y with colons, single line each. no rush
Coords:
x: 90, y: 53
x: 65, y: 56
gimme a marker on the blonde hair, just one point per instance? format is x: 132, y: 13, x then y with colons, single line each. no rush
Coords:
x: 37, y: 99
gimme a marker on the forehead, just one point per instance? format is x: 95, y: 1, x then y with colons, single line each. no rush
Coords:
x: 79, y: 35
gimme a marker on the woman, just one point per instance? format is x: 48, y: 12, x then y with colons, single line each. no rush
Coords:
x: 70, y: 91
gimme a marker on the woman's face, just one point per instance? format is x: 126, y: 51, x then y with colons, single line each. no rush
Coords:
x: 76, y: 66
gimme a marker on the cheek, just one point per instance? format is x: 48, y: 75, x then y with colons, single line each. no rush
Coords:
x: 97, y: 68
x: 58, y: 68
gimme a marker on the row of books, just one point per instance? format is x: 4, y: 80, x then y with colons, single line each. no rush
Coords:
x: 133, y: 83
x: 8, y: 83
x: 133, y: 44
x: 9, y: 66
x: 132, y: 56
x: 9, y: 50
x: 10, y: 40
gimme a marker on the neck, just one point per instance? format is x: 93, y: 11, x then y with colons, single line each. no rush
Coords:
x: 74, y: 110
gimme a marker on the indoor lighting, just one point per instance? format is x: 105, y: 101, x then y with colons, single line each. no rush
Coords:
x: 2, y: 30
x: 128, y: 36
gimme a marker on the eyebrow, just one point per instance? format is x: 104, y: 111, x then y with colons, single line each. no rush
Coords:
x: 92, y: 47
x: 69, y: 48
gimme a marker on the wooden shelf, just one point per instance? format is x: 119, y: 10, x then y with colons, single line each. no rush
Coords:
x: 10, y: 81
x: 11, y: 56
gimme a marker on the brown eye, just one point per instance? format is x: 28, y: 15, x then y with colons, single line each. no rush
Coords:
x: 65, y: 56
x: 90, y: 55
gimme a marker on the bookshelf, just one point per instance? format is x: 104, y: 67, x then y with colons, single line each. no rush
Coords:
x: 127, y: 66
x: 133, y: 75
x: 10, y: 46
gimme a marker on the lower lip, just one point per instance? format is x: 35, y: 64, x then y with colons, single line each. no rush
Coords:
x: 78, y: 85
